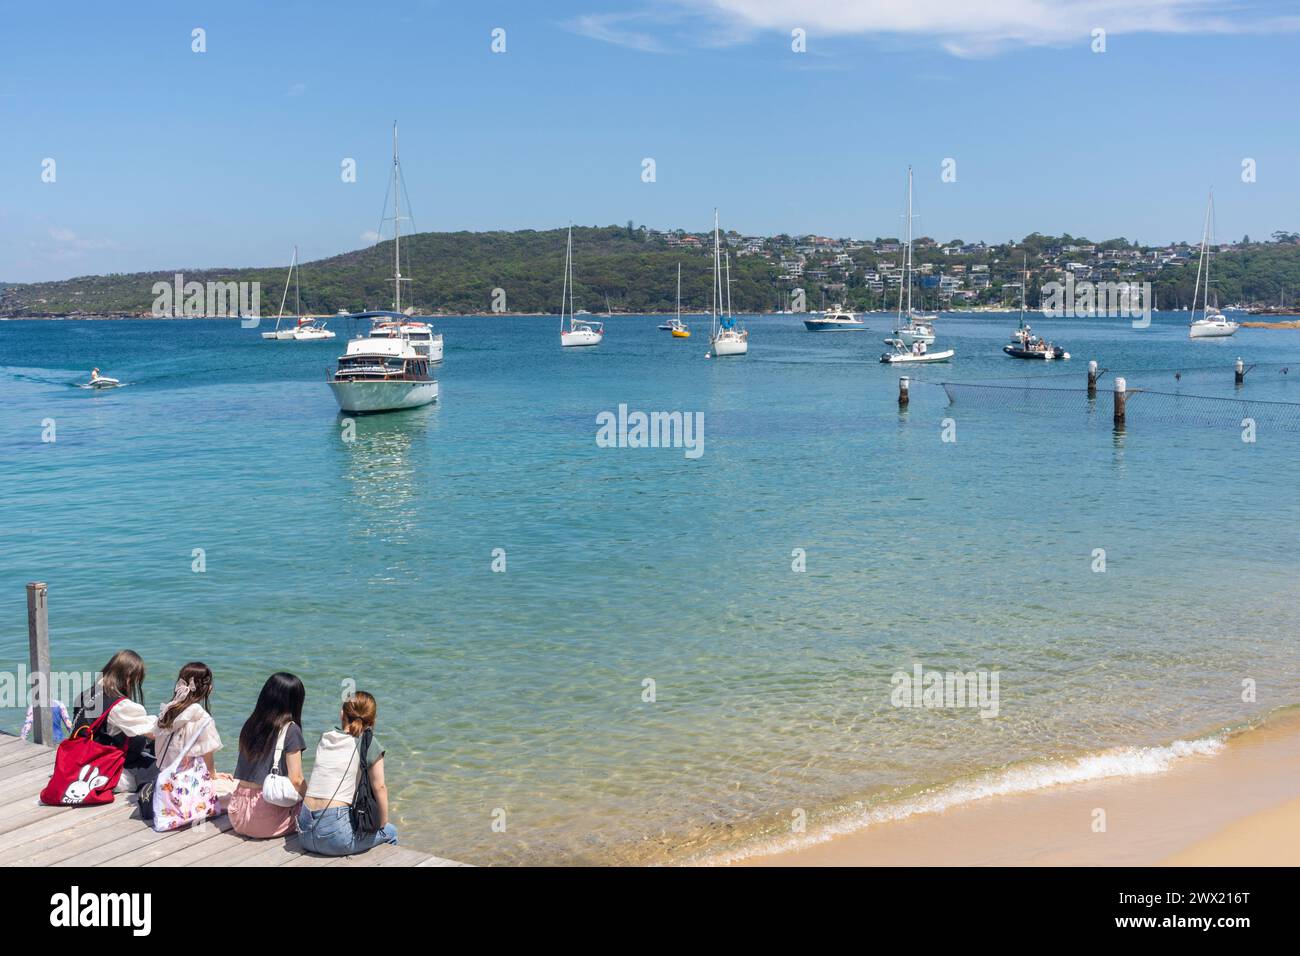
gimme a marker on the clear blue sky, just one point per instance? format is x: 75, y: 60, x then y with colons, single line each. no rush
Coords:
x: 172, y: 159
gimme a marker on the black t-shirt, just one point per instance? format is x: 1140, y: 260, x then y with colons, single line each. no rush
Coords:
x: 254, y: 770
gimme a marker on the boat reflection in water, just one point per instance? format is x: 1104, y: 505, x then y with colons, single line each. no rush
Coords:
x: 387, y: 463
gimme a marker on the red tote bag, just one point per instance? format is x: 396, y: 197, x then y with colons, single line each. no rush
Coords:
x: 85, y: 771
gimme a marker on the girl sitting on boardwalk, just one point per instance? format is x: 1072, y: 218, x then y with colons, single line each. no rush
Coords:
x: 270, y: 743
x: 128, y: 725
x: 324, y: 823
x: 188, y: 786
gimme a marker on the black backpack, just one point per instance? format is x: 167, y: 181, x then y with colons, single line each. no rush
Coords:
x: 364, y: 811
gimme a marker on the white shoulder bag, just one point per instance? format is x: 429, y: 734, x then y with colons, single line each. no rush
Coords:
x: 277, y: 789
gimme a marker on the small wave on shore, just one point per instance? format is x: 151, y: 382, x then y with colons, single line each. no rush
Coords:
x: 1021, y: 778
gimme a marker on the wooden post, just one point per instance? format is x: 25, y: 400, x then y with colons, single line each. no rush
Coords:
x: 1121, y: 398
x: 1092, y: 379
x: 902, y: 391
x: 1240, y: 373
x: 38, y: 652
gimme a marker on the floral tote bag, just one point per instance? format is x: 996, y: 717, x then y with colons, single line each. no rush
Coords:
x: 185, y: 791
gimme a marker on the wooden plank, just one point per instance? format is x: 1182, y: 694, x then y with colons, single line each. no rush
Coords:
x: 261, y: 853
x: 311, y: 859
x: 177, y: 841
x: 24, y: 762
x: 38, y: 837
x: 229, y: 849
x: 32, y: 813
x: 399, y: 856
x: 25, y: 752
x: 88, y: 844
x: 9, y: 744
x: 27, y: 781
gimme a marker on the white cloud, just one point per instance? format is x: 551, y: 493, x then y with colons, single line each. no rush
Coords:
x: 298, y: 89
x: 962, y: 27
x: 370, y: 236
x: 613, y: 28
x: 68, y: 245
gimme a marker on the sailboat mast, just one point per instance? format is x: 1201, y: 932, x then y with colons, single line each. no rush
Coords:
x: 717, y: 276
x: 297, y: 295
x: 397, y: 228
x: 908, y: 275
x: 284, y: 298
x: 1201, y: 263
x: 679, y: 292
x: 1024, y: 287
x: 564, y: 290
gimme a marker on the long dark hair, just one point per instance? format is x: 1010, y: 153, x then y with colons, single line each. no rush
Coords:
x: 279, y: 702
x: 123, y: 676
x: 201, y: 675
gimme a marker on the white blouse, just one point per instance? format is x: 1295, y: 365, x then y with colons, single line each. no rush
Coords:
x: 131, y: 719
x: 170, y: 743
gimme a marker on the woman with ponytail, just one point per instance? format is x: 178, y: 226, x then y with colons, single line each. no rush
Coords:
x: 325, y: 823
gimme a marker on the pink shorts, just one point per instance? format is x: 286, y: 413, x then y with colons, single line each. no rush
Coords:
x: 253, y: 817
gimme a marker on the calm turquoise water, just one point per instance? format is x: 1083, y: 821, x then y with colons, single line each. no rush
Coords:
x: 371, y: 561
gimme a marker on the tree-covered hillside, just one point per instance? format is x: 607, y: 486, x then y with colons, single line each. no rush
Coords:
x: 451, y: 272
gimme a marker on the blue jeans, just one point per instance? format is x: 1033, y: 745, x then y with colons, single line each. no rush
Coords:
x: 329, y: 832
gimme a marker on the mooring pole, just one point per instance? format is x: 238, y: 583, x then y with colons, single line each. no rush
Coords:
x: 38, y: 653
x: 1121, y: 399
x: 902, y: 391
x: 1240, y: 373
x: 1092, y: 379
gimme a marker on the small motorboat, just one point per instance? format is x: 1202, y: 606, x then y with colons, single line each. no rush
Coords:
x: 666, y: 326
x: 1035, y: 348
x: 101, y: 381
x: 1025, y: 344
x: 836, y: 319
x: 917, y: 353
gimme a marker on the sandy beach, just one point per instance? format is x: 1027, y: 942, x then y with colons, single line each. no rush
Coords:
x: 1239, y: 806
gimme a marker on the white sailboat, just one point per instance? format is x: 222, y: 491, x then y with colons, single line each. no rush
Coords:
x: 1212, y: 324
x: 725, y: 336
x: 389, y: 368
x: 306, y: 328
x: 679, y: 328
x: 575, y: 332
x: 918, y: 327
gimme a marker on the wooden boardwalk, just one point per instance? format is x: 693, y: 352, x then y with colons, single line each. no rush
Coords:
x: 114, y: 834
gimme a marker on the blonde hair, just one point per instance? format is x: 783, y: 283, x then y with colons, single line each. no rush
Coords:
x: 359, y: 713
